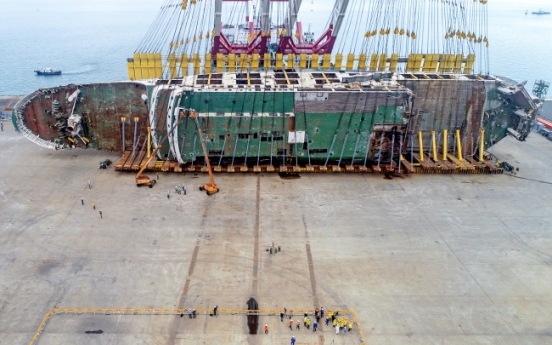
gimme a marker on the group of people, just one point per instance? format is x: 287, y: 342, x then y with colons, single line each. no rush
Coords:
x: 338, y: 322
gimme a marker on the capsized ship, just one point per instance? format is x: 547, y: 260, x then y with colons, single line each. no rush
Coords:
x: 276, y: 103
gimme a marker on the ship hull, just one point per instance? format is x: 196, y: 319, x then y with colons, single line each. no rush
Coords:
x: 341, y: 120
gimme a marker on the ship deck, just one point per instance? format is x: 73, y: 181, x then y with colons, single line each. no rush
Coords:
x: 421, y: 259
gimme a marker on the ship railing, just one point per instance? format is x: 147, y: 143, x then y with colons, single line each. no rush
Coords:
x: 24, y: 130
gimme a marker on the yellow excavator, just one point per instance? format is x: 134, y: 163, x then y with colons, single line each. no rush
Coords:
x: 144, y: 180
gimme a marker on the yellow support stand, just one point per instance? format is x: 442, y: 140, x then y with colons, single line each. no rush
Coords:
x: 458, y: 63
x: 137, y: 67
x: 433, y: 146
x: 267, y: 62
x: 231, y: 62
x: 327, y: 61
x: 421, y: 145
x: 158, y: 65
x: 144, y: 65
x: 184, y: 65
x: 220, y: 63
x: 338, y: 61
x: 130, y: 66
x: 172, y: 66
x: 446, y: 63
x: 362, y: 62
x: 350, y: 62
x: 255, y: 61
x: 279, y: 61
x: 394, y: 62
x: 374, y: 60
x: 414, y: 63
x: 291, y: 61
x: 197, y: 63
x: 382, y: 63
x: 430, y: 63
x: 151, y: 65
x: 314, y: 61
x: 459, y: 145
x: 482, y: 146
x: 468, y: 67
x: 303, y: 61
x: 445, y: 148
x: 208, y: 63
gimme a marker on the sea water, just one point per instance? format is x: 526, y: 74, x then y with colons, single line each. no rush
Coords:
x: 91, y: 40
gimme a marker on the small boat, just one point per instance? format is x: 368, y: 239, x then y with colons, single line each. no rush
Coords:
x: 48, y: 71
x: 541, y: 12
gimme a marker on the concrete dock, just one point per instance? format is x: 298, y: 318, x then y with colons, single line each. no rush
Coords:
x: 420, y: 259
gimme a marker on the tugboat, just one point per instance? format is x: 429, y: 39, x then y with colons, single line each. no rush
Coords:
x: 48, y: 71
x: 541, y: 12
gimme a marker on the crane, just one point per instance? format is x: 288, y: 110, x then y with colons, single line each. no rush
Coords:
x: 211, y: 187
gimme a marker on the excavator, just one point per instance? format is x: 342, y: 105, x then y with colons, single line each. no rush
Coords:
x: 144, y: 180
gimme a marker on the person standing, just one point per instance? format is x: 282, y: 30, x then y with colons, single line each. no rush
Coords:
x: 215, y: 310
x: 336, y: 329
x: 327, y: 320
x: 291, y: 325
x: 157, y: 176
x: 298, y: 325
x: 101, y: 214
x: 94, y: 205
x: 89, y: 185
x: 266, y: 329
x: 168, y: 194
x: 2, y: 126
x: 308, y: 323
x: 282, y: 316
x: 314, y: 326
x: 321, y: 311
x: 82, y: 201
x: 184, y: 189
x: 293, y: 340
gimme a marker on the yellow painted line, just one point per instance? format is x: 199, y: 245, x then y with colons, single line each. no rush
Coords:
x: 327, y: 80
x: 209, y: 80
x: 178, y: 311
x: 287, y: 77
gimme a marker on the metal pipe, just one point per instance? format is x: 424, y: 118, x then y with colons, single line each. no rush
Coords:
x: 284, y: 149
x: 354, y: 151
x: 436, y: 148
x: 343, y: 149
x: 134, y: 140
x: 411, y: 149
x: 330, y: 150
x: 421, y: 146
x: 368, y: 148
x: 400, y: 152
x: 222, y: 151
x: 234, y: 152
x: 308, y: 149
x: 459, y: 144
x: 392, y: 150
x: 194, y: 148
x: 271, y: 147
x: 381, y: 146
x: 295, y: 148
x: 482, y: 145
x: 433, y: 146
x: 445, y: 144
x: 246, y: 150
x: 123, y: 121
x: 259, y: 152
x: 149, y: 142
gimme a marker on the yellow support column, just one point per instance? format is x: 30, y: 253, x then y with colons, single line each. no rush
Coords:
x: 279, y: 61
x: 374, y: 60
x: 255, y: 61
x: 433, y: 146
x: 172, y: 66
x: 382, y: 63
x: 338, y: 61
x: 327, y: 61
x: 267, y: 62
x: 421, y: 145
x: 291, y: 61
x: 482, y: 145
x: 314, y: 61
x: 149, y: 142
x: 130, y: 66
x: 430, y: 63
x: 350, y: 62
x: 137, y: 67
x: 458, y: 63
x: 459, y: 145
x: 197, y: 63
x: 303, y: 61
x: 144, y: 65
x: 184, y: 65
x: 151, y: 65
x: 220, y: 63
x: 362, y: 62
x: 208, y: 63
x: 445, y: 148
x: 394, y: 62
x: 158, y: 66
x: 468, y: 67
x: 231, y: 62
x: 414, y: 63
